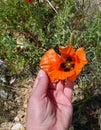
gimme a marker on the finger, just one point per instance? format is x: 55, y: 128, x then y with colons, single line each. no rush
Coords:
x: 68, y: 89
x: 60, y: 86
x: 69, y: 83
x: 52, y: 86
x: 42, y: 84
x: 62, y: 99
x: 34, y: 85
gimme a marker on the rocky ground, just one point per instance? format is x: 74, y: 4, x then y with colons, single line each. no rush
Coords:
x: 22, y: 92
x: 18, y: 106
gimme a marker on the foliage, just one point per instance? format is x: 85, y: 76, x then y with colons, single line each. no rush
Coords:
x: 41, y: 28
x: 53, y: 29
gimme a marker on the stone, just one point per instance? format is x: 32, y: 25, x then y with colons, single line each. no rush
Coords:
x: 16, y: 119
x: 3, y: 68
x: 17, y: 126
x: 12, y: 81
x: 81, y: 97
x: 3, y: 94
x: 25, y: 105
x: 6, y: 126
x: 76, y: 86
x: 74, y: 99
x: 3, y: 79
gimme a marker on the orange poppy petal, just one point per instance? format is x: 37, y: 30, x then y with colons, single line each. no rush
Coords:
x: 60, y: 75
x: 67, y: 51
x: 29, y: 1
x: 81, y: 55
x: 50, y: 61
x: 81, y: 60
x: 72, y: 78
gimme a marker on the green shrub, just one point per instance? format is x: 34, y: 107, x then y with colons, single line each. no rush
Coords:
x: 48, y: 29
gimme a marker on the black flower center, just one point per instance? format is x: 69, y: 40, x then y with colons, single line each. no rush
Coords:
x: 68, y: 65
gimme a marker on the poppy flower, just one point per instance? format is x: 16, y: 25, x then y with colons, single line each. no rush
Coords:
x: 67, y: 65
x: 29, y: 1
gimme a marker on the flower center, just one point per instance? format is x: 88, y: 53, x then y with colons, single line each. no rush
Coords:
x: 68, y: 65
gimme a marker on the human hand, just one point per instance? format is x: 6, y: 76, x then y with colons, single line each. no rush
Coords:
x: 50, y: 105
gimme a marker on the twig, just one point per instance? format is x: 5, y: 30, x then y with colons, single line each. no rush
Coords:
x: 51, y: 6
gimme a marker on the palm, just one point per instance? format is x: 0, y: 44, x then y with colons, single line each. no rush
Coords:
x: 50, y: 105
x: 59, y: 108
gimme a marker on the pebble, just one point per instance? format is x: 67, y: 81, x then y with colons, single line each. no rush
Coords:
x: 22, y: 89
x: 78, y: 91
x: 17, y: 126
x: 81, y: 97
x: 3, y: 94
x: 16, y: 119
x: 6, y: 126
x: 25, y: 105
x: 18, y: 101
x: 76, y: 86
x: 74, y: 99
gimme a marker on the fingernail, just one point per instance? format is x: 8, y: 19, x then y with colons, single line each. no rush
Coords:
x: 41, y: 73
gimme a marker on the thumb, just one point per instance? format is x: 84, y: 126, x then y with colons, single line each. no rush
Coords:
x: 68, y: 89
x: 42, y: 84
